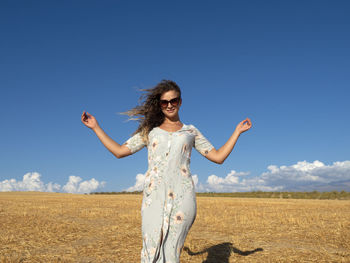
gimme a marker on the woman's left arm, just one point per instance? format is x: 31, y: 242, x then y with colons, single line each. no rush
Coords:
x: 220, y: 155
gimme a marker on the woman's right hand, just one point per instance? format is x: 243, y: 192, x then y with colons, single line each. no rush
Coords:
x: 89, y: 120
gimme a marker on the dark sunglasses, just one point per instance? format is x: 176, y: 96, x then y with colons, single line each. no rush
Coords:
x: 174, y: 102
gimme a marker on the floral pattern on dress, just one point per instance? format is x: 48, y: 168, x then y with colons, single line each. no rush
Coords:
x: 169, y: 202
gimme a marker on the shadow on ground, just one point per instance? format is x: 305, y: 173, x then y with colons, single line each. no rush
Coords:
x: 220, y: 253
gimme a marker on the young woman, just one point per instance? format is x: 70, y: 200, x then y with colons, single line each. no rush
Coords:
x: 169, y: 201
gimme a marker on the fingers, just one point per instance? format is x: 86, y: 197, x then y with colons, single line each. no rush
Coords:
x: 84, y: 116
x: 244, y: 122
x: 248, y: 121
x: 247, y: 124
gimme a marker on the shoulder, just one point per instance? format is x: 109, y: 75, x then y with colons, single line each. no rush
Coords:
x: 189, y: 126
x: 154, y: 130
x: 191, y: 129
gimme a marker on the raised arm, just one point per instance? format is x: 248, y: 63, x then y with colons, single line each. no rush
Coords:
x: 220, y: 155
x: 115, y: 148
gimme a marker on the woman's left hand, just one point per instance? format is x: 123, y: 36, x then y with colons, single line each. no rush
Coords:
x: 244, y: 126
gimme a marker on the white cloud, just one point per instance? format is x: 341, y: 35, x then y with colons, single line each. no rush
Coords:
x: 231, y: 179
x: 300, y: 176
x: 234, y: 182
x: 303, y: 173
x: 32, y: 182
x: 52, y: 187
x: 140, y: 179
x: 76, y: 185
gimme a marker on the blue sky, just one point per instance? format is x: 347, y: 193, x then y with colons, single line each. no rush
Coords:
x: 283, y: 64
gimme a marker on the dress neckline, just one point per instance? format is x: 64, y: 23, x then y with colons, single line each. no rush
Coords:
x: 183, y: 125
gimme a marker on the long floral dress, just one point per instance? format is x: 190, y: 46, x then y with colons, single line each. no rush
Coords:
x: 169, y: 201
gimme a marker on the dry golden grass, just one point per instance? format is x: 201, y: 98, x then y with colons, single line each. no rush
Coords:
x: 51, y: 227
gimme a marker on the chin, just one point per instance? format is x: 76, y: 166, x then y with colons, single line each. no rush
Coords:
x: 170, y: 114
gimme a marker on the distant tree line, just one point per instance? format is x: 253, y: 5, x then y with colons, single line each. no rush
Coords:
x: 117, y: 193
x: 342, y: 195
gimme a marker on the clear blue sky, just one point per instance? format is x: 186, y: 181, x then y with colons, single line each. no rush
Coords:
x: 283, y: 64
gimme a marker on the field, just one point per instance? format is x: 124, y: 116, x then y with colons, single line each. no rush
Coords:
x: 53, y: 227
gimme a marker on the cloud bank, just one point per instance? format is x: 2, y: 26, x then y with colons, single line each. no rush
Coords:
x: 32, y: 182
x: 302, y: 176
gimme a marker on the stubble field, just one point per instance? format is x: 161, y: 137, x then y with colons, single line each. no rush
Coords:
x: 53, y: 227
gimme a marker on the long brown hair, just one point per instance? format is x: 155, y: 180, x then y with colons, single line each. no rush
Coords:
x: 149, y: 113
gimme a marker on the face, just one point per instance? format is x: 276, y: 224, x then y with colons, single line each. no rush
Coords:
x: 170, y: 110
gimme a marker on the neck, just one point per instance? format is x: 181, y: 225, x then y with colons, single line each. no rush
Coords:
x: 173, y: 120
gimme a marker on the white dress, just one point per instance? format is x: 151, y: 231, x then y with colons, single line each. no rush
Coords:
x: 169, y: 201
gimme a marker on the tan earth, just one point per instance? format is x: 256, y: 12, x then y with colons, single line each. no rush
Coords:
x: 54, y: 227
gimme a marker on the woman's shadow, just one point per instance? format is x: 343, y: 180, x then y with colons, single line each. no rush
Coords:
x: 220, y: 253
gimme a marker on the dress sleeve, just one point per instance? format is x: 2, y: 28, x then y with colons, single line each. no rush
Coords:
x: 201, y: 144
x: 135, y: 143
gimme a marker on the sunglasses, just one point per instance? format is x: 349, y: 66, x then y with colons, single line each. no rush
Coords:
x: 174, y: 102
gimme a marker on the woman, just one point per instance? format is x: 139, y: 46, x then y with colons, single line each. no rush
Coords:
x: 169, y: 202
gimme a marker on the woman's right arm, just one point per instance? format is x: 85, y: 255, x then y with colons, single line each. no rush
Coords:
x: 115, y: 148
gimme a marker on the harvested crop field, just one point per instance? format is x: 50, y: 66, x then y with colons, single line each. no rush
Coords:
x: 53, y: 227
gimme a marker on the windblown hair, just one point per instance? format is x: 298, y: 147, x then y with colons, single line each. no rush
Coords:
x: 149, y: 113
